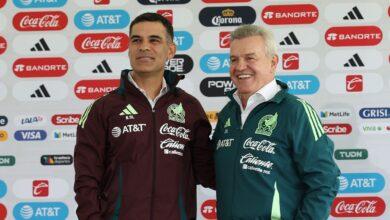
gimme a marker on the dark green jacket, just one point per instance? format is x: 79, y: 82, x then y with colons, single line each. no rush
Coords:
x: 278, y: 165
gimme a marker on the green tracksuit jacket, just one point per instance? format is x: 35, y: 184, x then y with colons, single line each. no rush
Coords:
x: 278, y: 165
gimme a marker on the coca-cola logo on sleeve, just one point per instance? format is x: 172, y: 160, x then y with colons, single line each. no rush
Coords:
x: 101, y: 43
x: 40, y: 21
x: 358, y: 207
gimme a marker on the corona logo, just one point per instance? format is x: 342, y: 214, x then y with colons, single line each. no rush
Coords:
x: 228, y: 13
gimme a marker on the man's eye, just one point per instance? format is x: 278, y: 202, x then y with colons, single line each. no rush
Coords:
x: 135, y: 40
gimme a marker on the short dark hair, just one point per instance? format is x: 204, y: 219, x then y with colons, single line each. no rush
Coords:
x: 153, y: 17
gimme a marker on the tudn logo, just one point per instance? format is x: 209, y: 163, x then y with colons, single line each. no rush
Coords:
x: 116, y: 132
x: 354, y: 14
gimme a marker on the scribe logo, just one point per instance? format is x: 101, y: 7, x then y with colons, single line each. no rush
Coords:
x: 60, y: 159
x: 290, y: 61
x: 180, y: 64
x: 209, y: 209
x: 30, y: 135
x: 101, y: 2
x: 354, y: 83
x: 358, y: 207
x: 93, y: 89
x: 227, y: 16
x: 65, y: 119
x: 40, y: 21
x: 337, y: 129
x: 224, y: 39
x: 168, y: 14
x: 101, y: 42
x: 353, y: 36
x: 7, y: 160
x: 40, y: 188
x: 290, y: 14
x: 3, y: 45
x: 163, y: 2
x: 40, y: 67
x: 216, y: 86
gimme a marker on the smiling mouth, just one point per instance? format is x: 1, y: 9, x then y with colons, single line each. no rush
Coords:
x: 244, y: 76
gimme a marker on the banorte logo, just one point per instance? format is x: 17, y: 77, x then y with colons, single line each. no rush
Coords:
x: 101, y: 42
x: 40, y: 67
x: 358, y: 207
x: 3, y: 45
x: 353, y: 36
x: 65, y: 119
x: 337, y: 129
x: 290, y: 14
x: 209, y: 209
x: 93, y: 89
x: 40, y: 21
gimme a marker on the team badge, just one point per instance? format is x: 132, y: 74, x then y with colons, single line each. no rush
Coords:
x: 176, y: 113
x: 267, y: 124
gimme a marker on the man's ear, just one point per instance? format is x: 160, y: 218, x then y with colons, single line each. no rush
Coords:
x: 274, y: 62
x: 171, y: 50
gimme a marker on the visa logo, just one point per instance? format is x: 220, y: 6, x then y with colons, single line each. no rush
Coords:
x: 183, y: 40
x: 374, y: 113
x: 301, y: 84
x: 40, y: 210
x: 39, y: 3
x: 215, y: 63
x: 101, y: 19
x: 361, y: 183
x: 30, y: 135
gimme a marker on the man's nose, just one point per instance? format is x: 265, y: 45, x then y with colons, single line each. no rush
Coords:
x: 144, y: 46
x: 241, y: 64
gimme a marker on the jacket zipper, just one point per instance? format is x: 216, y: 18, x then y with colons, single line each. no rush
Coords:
x: 154, y: 164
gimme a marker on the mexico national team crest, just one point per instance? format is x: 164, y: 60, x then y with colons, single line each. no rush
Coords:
x: 176, y: 113
x: 267, y: 124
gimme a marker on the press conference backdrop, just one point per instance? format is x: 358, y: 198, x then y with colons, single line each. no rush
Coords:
x: 58, y: 56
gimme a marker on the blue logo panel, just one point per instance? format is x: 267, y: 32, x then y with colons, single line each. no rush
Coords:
x: 39, y: 4
x: 215, y: 63
x: 374, y: 113
x: 361, y: 183
x: 30, y: 135
x: 300, y: 84
x: 101, y: 19
x: 3, y: 189
x: 183, y: 40
x: 40, y: 210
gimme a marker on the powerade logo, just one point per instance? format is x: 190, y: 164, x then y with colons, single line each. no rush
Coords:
x: 374, y: 113
x: 3, y: 189
x: 40, y: 210
x: 361, y: 183
x: 351, y: 154
x: 30, y: 135
x: 7, y: 160
x: 216, y: 86
x: 215, y: 63
x: 183, y: 40
x: 3, y: 120
x: 39, y: 3
x: 301, y: 84
x: 180, y: 64
x: 101, y: 19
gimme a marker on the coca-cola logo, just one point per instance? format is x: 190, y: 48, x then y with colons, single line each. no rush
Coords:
x: 101, y: 42
x: 40, y: 67
x: 290, y: 14
x: 94, y: 89
x: 3, y: 45
x: 179, y: 132
x: 66, y: 119
x: 337, y: 129
x: 40, y: 21
x: 358, y: 207
x: 263, y: 145
x: 353, y: 36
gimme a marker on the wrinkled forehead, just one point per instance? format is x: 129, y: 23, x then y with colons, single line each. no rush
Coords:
x: 248, y: 45
x: 147, y: 29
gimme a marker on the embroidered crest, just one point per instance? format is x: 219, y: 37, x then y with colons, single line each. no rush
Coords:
x: 267, y: 124
x: 176, y: 113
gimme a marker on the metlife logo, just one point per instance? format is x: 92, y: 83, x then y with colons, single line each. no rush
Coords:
x: 41, y: 210
x: 335, y: 113
x: 374, y: 113
x: 101, y: 19
x: 183, y: 40
x: 361, y: 183
x: 215, y: 63
x: 39, y: 3
x: 216, y: 86
x: 300, y: 84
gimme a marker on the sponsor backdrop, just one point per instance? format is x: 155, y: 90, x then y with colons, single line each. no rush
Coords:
x: 57, y: 56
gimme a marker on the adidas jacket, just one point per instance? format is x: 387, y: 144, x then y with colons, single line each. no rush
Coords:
x: 278, y: 165
x: 135, y: 162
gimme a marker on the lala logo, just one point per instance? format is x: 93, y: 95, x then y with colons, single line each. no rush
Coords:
x: 168, y: 14
x: 40, y: 188
x: 290, y: 61
x: 354, y: 83
x: 176, y: 113
x: 224, y: 39
x: 267, y: 124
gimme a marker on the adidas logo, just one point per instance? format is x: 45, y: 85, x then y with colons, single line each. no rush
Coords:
x: 355, y: 61
x: 41, y: 92
x: 103, y: 67
x: 227, y: 123
x: 291, y: 39
x: 354, y: 14
x: 40, y: 46
x: 129, y: 112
